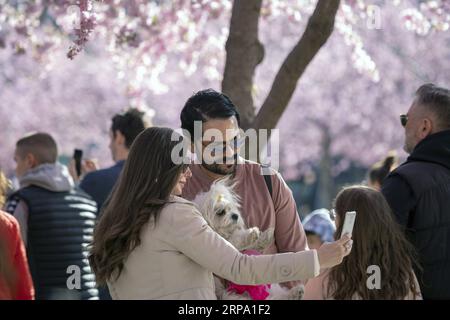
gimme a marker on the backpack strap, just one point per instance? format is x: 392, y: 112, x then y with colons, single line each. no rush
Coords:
x: 267, y: 178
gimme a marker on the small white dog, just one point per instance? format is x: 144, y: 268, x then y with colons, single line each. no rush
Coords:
x: 220, y: 208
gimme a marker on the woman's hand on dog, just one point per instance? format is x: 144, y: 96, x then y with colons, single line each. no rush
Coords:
x: 332, y: 254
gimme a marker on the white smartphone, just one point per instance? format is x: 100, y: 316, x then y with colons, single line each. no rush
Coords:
x: 349, y: 222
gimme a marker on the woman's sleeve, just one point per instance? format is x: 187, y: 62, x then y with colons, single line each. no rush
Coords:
x: 188, y: 232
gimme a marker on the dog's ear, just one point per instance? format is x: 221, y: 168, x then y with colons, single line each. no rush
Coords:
x: 227, y: 182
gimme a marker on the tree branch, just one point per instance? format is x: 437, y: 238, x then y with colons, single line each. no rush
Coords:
x: 319, y: 28
x: 244, y: 53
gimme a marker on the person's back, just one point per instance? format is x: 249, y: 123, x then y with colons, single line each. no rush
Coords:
x: 428, y: 222
x: 56, y: 221
x: 380, y: 265
x: 98, y: 184
x: 15, y: 278
x: 418, y: 191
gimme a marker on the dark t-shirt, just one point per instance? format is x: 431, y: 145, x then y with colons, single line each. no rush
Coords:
x: 99, y: 184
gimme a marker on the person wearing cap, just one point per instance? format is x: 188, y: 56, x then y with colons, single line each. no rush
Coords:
x: 319, y: 228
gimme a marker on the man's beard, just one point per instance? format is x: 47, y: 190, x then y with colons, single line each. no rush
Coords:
x: 228, y: 166
x: 220, y: 168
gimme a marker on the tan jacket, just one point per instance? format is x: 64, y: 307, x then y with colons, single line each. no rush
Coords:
x: 178, y: 256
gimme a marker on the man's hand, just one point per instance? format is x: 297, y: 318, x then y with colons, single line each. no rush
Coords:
x: 87, y: 166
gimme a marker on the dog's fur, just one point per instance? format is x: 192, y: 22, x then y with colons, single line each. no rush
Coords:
x: 220, y: 208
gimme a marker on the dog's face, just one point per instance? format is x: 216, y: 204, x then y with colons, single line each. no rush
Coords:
x: 220, y: 207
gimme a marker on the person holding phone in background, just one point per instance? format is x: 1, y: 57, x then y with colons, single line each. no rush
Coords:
x: 378, y: 242
x: 98, y: 183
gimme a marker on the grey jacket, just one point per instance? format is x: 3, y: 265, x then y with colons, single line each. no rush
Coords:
x: 53, y: 177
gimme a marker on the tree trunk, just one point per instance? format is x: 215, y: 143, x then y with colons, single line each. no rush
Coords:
x: 244, y: 53
x: 324, y: 197
x: 319, y: 28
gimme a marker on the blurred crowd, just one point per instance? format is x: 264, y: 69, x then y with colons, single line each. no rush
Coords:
x: 81, y: 232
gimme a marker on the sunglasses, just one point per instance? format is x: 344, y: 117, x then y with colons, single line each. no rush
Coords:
x: 404, y: 119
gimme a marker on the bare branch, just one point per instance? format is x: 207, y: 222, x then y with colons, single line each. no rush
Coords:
x: 244, y: 53
x: 319, y: 28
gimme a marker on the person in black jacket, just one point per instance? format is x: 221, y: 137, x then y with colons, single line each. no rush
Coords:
x: 56, y: 221
x: 418, y: 191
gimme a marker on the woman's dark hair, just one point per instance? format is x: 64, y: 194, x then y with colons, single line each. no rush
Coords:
x: 381, y: 169
x: 130, y: 123
x: 205, y: 105
x: 377, y: 240
x: 143, y: 188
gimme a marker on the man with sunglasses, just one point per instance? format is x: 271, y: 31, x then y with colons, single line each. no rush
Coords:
x: 266, y: 200
x: 418, y: 191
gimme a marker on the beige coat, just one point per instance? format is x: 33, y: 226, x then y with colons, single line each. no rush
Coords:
x: 178, y: 256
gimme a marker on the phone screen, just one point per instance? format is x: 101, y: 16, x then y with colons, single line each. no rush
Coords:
x: 349, y: 222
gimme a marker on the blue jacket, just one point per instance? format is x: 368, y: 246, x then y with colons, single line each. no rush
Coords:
x: 99, y: 184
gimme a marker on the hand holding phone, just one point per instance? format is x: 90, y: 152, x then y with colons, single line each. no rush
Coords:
x: 349, y: 223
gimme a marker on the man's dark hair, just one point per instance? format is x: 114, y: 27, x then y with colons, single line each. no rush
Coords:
x: 437, y: 100
x: 206, y: 105
x: 41, y: 145
x: 130, y: 123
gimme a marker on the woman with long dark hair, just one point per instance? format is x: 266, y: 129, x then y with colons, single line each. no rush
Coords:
x: 152, y: 244
x: 378, y: 243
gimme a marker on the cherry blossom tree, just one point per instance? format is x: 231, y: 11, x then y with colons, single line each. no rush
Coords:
x: 142, y: 35
x: 335, y: 105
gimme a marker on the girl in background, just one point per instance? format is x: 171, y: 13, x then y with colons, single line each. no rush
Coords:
x: 378, y: 241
